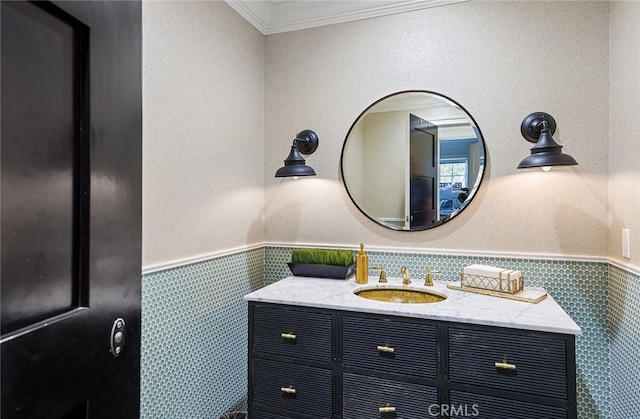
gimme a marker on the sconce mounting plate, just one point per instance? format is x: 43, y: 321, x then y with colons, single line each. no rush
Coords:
x: 307, y: 141
x: 532, y: 126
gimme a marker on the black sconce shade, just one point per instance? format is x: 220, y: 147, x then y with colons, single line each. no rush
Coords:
x: 538, y: 128
x: 306, y: 142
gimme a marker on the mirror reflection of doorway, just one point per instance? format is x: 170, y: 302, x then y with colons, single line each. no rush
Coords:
x: 424, y: 155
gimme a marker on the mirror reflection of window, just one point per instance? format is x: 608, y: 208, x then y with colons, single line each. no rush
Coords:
x: 453, y: 173
x: 453, y: 185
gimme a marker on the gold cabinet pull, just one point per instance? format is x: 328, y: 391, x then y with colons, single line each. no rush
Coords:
x: 387, y: 349
x: 288, y: 336
x: 387, y: 409
x: 504, y: 365
x: 288, y: 390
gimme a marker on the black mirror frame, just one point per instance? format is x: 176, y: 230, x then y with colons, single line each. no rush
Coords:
x: 472, y: 192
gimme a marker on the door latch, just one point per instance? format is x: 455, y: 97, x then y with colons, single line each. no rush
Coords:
x: 117, y: 336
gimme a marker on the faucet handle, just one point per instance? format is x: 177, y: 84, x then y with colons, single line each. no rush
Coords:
x: 383, y: 273
x: 428, y: 281
x: 406, y: 278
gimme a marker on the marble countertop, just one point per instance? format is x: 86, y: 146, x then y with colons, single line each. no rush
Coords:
x: 460, y: 306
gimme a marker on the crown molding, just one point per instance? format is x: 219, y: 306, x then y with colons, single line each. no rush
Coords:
x: 277, y: 16
x: 255, y: 12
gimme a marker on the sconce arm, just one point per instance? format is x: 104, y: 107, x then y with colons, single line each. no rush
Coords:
x: 532, y: 126
x: 306, y: 141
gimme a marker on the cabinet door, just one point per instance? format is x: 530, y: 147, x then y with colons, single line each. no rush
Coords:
x: 464, y: 405
x: 367, y: 397
x: 389, y: 346
x: 292, y: 388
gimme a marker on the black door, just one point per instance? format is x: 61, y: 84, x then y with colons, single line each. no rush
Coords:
x: 423, y: 172
x: 71, y: 209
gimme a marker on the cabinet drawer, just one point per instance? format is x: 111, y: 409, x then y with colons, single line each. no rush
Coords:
x: 536, y: 365
x: 390, y: 346
x: 464, y: 405
x: 292, y: 387
x: 363, y: 396
x: 264, y: 415
x: 294, y: 333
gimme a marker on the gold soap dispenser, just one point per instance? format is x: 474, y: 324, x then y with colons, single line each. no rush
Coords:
x: 362, y: 266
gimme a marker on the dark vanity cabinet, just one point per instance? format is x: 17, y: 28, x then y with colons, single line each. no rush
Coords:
x: 291, y: 362
x: 309, y: 363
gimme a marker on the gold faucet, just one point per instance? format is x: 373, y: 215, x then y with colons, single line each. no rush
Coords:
x: 428, y: 281
x: 383, y: 274
x: 406, y: 280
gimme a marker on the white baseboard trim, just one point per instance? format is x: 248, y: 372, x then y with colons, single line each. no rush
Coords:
x: 452, y: 252
x: 634, y: 269
x: 147, y: 269
x: 156, y: 267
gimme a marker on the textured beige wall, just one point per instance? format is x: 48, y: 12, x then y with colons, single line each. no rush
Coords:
x: 624, y: 120
x: 502, y: 61
x: 203, y: 140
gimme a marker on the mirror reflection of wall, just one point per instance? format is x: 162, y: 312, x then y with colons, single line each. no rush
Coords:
x: 413, y: 160
x: 384, y: 165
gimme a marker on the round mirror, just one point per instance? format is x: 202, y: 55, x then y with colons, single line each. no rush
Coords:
x: 413, y: 160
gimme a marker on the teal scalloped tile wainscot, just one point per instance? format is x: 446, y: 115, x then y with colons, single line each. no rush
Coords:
x: 194, y: 319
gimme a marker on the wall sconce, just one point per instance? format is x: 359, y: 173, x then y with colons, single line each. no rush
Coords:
x: 306, y: 142
x: 538, y: 128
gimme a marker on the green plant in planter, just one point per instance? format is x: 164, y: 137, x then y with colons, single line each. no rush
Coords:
x: 335, y: 257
